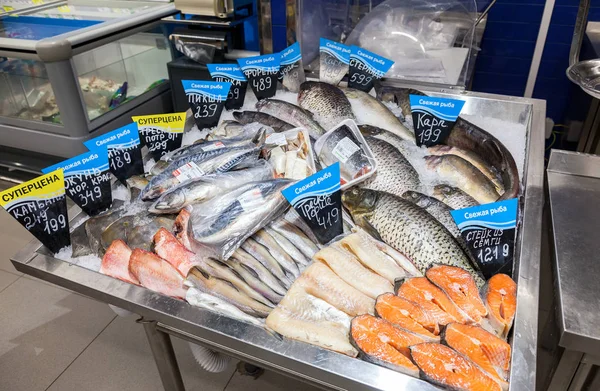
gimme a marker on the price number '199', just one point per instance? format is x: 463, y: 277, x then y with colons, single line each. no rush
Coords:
x: 430, y: 135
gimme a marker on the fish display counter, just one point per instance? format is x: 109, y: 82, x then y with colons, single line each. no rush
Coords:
x: 325, y: 234
x: 69, y: 70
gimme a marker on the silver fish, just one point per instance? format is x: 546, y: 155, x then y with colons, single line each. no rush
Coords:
x: 209, y: 186
x: 288, y: 246
x: 253, y: 280
x: 260, y: 270
x: 278, y: 253
x: 394, y: 174
x: 248, y: 117
x: 408, y: 228
x: 371, y: 111
x: 328, y: 103
x: 331, y: 69
x: 260, y: 253
x: 398, y: 142
x: 292, y: 114
x: 453, y: 197
x: 197, y: 298
x: 295, y: 236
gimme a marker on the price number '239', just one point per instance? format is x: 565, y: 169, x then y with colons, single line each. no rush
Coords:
x: 206, y: 110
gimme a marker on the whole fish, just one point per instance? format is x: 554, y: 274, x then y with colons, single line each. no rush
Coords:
x: 156, y: 274
x: 115, y: 262
x: 453, y: 197
x: 227, y: 129
x: 261, y: 254
x: 470, y: 137
x: 295, y: 236
x: 240, y: 216
x: 408, y: 228
x: 225, y: 290
x: 244, y: 258
x: 284, y: 259
x: 466, y: 177
x: 197, y: 298
x: 214, y: 161
x: 474, y: 159
x: 398, y: 142
x: 370, y: 111
x: 287, y: 246
x: 137, y: 230
x: 341, y: 146
x: 327, y: 102
x: 253, y: 280
x: 173, y: 251
x: 209, y: 186
x: 94, y: 226
x: 292, y: 114
x: 80, y: 242
x: 158, y: 167
x: 400, y: 96
x: 394, y: 174
x: 247, y: 117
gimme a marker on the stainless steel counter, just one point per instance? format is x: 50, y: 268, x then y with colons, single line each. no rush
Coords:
x: 309, y: 363
x: 574, y: 192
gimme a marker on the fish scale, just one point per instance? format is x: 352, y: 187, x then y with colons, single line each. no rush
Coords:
x: 326, y: 101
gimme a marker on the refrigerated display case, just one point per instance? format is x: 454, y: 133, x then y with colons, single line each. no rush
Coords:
x: 73, y: 70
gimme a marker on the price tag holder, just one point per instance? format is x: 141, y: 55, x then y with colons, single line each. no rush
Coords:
x: 124, y: 151
x: 318, y: 200
x: 206, y: 99
x: 231, y: 73
x: 40, y: 205
x: 87, y: 180
x: 161, y: 133
x: 334, y: 61
x: 291, y: 73
x: 489, y: 231
x: 262, y: 73
x: 433, y: 118
x: 365, y: 68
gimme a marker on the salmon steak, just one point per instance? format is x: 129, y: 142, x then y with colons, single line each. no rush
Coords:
x: 115, y: 262
x: 443, y: 366
x: 491, y: 353
x: 170, y: 249
x: 460, y: 287
x: 500, y: 298
x: 379, y: 342
x: 407, y: 315
x: 156, y: 274
x: 433, y: 300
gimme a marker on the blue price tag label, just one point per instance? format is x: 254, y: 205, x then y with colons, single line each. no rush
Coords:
x: 334, y: 61
x: 291, y: 73
x: 231, y: 73
x: 365, y: 68
x: 318, y: 200
x: 206, y: 99
x: 489, y: 231
x: 262, y: 73
x: 433, y: 118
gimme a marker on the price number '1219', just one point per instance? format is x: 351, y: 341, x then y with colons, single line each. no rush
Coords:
x: 490, y: 254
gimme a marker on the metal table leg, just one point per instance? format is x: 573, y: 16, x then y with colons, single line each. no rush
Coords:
x: 569, y: 361
x: 164, y: 357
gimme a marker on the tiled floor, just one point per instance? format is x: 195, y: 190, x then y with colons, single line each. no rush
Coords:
x: 56, y: 340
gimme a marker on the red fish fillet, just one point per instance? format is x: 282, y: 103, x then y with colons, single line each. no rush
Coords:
x: 491, y: 353
x: 379, y: 342
x: 170, y: 249
x: 156, y: 274
x: 441, y: 365
x: 458, y: 284
x: 115, y: 262
x: 180, y: 228
x: 422, y: 292
x: 500, y: 298
x: 408, y: 315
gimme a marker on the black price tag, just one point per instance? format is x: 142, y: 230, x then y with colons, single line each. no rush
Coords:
x: 161, y: 133
x: 124, y: 151
x: 489, y: 231
x: 40, y: 205
x: 206, y: 99
x: 365, y: 68
x: 87, y: 180
x: 433, y: 118
x: 318, y: 200
x: 231, y: 73
x: 262, y: 73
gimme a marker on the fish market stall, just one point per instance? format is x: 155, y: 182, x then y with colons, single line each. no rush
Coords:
x: 238, y: 330
x: 573, y: 186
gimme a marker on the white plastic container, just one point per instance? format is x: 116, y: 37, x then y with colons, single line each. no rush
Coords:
x: 275, y: 139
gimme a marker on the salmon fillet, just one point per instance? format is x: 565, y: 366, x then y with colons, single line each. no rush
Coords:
x: 460, y: 287
x: 379, y: 342
x: 500, y: 298
x: 115, y: 262
x: 491, y: 353
x: 422, y: 292
x: 170, y: 249
x: 407, y: 315
x: 156, y: 274
x: 442, y: 365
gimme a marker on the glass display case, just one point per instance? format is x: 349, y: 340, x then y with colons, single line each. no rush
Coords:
x: 66, y: 79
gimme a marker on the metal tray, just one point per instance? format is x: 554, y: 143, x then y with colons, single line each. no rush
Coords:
x: 306, y: 362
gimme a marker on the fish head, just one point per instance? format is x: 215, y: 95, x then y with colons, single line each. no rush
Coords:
x: 305, y: 88
x: 360, y: 201
x: 433, y: 162
x: 417, y: 198
x: 442, y: 192
x: 169, y: 202
x: 261, y: 104
x: 238, y: 115
x: 372, y: 131
x: 440, y: 149
x: 151, y: 193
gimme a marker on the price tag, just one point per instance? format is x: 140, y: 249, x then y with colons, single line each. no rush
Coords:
x: 334, y: 60
x: 212, y: 147
x: 231, y: 73
x: 87, y: 180
x: 433, y: 118
x: 291, y: 73
x: 318, y: 200
x: 124, y: 151
x: 344, y: 149
x: 489, y: 231
x: 276, y: 139
x: 206, y: 99
x: 161, y: 133
x: 262, y: 73
x: 188, y: 171
x: 365, y: 68
x: 40, y: 205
